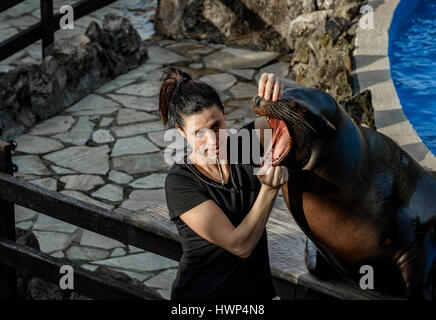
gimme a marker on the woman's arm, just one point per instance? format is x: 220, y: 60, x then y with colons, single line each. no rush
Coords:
x: 271, y: 87
x: 212, y: 224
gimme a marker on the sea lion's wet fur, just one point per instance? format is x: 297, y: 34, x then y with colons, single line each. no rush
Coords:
x: 355, y: 193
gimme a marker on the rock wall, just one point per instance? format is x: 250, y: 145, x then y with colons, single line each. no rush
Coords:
x: 71, y: 69
x: 318, y: 33
x: 273, y: 25
x: 261, y: 24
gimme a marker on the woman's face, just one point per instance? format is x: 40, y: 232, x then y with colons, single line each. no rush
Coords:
x: 202, y: 131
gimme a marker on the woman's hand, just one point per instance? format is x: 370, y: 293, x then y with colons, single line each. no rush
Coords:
x: 273, y: 177
x: 270, y: 86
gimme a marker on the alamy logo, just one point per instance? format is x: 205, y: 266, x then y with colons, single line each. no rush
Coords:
x: 67, y: 280
x: 366, y: 22
x: 367, y: 280
x: 67, y: 20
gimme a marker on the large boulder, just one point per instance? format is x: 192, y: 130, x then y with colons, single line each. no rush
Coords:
x: 271, y: 25
x: 38, y: 289
x: 325, y: 64
x: 30, y: 287
x: 72, y: 69
x: 360, y: 108
x: 322, y: 56
x: 262, y: 24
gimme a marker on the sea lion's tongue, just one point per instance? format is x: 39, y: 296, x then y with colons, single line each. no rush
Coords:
x: 281, y: 140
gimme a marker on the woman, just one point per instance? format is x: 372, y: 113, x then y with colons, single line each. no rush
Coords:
x: 220, y: 209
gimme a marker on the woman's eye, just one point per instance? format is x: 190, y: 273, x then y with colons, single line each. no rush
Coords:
x: 200, y: 134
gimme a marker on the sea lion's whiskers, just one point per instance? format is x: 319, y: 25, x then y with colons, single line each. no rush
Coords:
x: 282, y: 115
x: 305, y: 121
x: 299, y: 118
x: 291, y: 118
x: 292, y: 115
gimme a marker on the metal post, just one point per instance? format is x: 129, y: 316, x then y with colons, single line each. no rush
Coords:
x: 47, y: 27
x: 8, y: 276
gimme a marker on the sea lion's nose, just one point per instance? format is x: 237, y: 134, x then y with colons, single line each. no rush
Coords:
x: 257, y: 101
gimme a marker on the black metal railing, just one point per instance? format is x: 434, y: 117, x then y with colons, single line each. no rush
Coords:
x: 14, y: 256
x: 46, y: 27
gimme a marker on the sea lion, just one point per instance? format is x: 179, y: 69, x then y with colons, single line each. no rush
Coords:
x: 355, y: 193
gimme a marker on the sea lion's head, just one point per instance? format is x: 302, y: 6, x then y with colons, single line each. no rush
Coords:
x: 301, y: 122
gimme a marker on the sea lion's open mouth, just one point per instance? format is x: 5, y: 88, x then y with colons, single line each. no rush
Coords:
x: 281, y: 139
x: 281, y: 142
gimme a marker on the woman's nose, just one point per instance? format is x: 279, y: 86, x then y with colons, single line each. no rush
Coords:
x: 211, y: 140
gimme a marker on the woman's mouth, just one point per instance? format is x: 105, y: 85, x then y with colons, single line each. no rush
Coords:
x: 212, y: 149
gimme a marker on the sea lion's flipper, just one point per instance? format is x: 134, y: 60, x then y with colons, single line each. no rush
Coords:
x: 416, y: 271
x: 316, y: 263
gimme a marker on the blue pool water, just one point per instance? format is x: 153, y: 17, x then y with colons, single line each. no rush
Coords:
x: 412, y: 54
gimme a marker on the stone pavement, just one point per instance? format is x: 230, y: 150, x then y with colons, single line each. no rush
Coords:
x: 108, y: 148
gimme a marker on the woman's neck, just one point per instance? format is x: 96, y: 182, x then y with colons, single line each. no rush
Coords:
x: 210, y: 168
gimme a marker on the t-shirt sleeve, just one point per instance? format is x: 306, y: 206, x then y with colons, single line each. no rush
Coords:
x: 182, y: 194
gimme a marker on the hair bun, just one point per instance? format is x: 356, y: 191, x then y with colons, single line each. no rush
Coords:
x: 175, y: 74
x: 172, y: 78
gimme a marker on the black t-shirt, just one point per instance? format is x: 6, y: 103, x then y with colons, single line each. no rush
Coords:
x: 206, y: 271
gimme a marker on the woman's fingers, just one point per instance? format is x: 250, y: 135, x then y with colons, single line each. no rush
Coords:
x: 273, y: 177
x: 276, y: 176
x: 262, y: 84
x: 277, y: 87
x: 284, y: 175
x: 264, y: 171
x: 280, y: 176
x: 270, y: 87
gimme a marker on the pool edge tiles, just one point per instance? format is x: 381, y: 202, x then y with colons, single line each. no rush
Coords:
x: 413, y: 69
x: 372, y: 71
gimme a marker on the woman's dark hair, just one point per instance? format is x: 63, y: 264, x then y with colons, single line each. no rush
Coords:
x: 180, y: 95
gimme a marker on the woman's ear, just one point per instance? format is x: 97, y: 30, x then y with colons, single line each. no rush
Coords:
x: 182, y: 132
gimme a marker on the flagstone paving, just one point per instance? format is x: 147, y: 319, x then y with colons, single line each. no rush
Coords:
x: 102, y: 136
x: 109, y: 148
x: 109, y: 192
x: 81, y: 159
x: 153, y: 181
x: 37, y: 145
x: 83, y: 182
